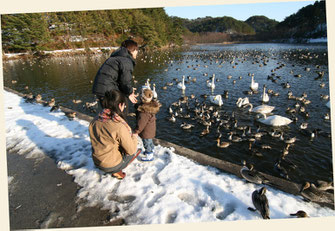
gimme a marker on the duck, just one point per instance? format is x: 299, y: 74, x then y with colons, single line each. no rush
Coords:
x: 265, y: 109
x: 55, y: 108
x: 234, y: 139
x: 76, y: 101
x: 51, y: 103
x: 71, y: 115
x: 181, y: 85
x: 205, y: 131
x: 222, y: 144
x: 260, y: 202
x: 300, y: 214
x: 274, y: 120
x: 265, y: 96
x: 186, y: 126
x: 253, y: 85
x: 242, y: 101
x: 324, y: 185
x: 250, y: 175
x: 38, y: 98
x: 311, y: 193
x: 211, y: 84
x: 172, y: 118
x: 216, y: 99
x: 282, y: 171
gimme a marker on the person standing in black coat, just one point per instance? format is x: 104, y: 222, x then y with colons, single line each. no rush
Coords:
x: 116, y: 72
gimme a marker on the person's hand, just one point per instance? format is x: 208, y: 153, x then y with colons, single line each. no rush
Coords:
x: 132, y: 98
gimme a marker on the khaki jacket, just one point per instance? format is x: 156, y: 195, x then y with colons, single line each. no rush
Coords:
x: 110, y: 140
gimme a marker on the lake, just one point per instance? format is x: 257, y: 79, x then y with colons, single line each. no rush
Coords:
x: 303, y: 67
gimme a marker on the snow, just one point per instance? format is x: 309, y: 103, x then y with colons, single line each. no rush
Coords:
x: 317, y: 40
x: 171, y: 189
x: 10, y: 55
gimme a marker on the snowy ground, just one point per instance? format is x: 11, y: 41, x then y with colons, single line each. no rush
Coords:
x: 171, y: 189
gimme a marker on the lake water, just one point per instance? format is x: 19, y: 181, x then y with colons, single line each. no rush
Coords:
x: 69, y: 78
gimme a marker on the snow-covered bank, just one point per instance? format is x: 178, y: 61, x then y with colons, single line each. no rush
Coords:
x: 65, y: 51
x: 317, y: 40
x: 172, y: 189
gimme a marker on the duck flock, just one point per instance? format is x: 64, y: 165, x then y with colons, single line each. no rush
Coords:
x: 265, y: 108
x: 267, y: 114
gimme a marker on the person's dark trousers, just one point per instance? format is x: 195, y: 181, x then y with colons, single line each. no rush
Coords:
x: 127, y: 159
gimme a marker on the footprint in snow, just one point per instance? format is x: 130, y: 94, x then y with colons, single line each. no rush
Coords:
x: 156, y: 198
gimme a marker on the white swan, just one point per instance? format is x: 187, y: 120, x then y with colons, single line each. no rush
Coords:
x: 275, y: 120
x: 253, y: 85
x: 241, y: 102
x: 211, y: 85
x: 182, y: 84
x: 328, y: 104
x: 265, y: 96
x: 216, y: 99
x: 146, y: 85
x: 265, y: 109
x: 154, y: 91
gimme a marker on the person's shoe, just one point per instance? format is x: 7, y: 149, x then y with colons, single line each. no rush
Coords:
x: 119, y: 175
x: 148, y: 156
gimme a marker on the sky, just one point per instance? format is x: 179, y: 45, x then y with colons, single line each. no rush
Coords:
x: 171, y: 189
x: 276, y: 10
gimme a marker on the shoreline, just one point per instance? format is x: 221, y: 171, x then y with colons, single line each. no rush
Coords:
x: 101, y: 50
x: 225, y: 166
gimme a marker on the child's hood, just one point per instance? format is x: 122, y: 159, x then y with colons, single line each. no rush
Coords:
x: 151, y: 107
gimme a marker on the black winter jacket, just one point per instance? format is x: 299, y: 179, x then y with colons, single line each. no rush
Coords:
x: 115, y: 74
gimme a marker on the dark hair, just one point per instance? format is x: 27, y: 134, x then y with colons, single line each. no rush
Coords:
x: 112, y: 100
x: 130, y: 44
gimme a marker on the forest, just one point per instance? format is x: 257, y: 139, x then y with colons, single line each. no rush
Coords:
x: 34, y: 32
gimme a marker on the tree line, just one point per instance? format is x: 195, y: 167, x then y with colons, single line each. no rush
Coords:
x: 83, y: 29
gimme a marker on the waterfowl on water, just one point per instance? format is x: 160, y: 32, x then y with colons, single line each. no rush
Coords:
x: 186, y: 126
x: 265, y: 96
x: 234, y: 138
x: 216, y: 99
x: 265, y: 109
x: 222, y: 144
x: 76, y: 101
x: 172, y: 118
x: 274, y: 120
x: 181, y: 85
x: 261, y: 203
x: 253, y: 85
x: 242, y: 101
x: 205, y: 131
x: 154, y: 91
x: 300, y: 214
x: 211, y: 84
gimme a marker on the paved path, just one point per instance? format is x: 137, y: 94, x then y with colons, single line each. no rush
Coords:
x: 43, y: 196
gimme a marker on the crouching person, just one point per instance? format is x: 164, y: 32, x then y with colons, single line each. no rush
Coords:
x: 146, y: 122
x: 114, y: 146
